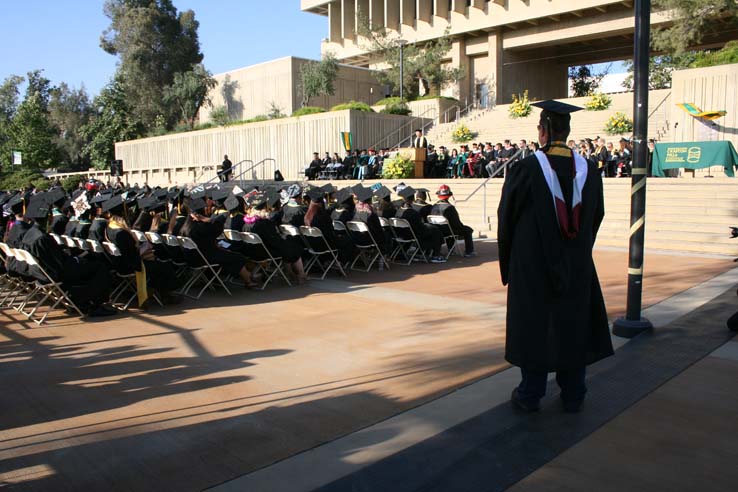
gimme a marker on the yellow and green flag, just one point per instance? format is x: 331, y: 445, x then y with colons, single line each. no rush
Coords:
x: 348, y: 141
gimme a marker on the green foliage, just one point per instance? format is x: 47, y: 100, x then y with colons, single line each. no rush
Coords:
x: 219, y: 116
x: 520, y: 106
x: 18, y: 180
x: 69, y: 110
x: 398, y: 168
x: 255, y: 119
x: 462, y: 134
x: 153, y: 42
x: 317, y: 78
x: 9, y: 93
x: 189, y: 92
x: 72, y: 182
x: 431, y: 96
x: 729, y: 54
x: 660, y: 68
x: 32, y: 133
x: 275, y: 112
x: 584, y: 82
x: 111, y: 122
x: 421, y: 61
x: 355, y: 105
x: 308, y: 110
x: 694, y: 20
x: 397, y: 108
x: 598, y: 102
x: 388, y: 100
x: 619, y: 124
x: 204, y: 126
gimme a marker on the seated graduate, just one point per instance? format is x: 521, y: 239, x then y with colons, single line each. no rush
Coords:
x: 234, y: 205
x: 88, y: 282
x: 160, y: 276
x: 259, y: 221
x: 313, y: 169
x: 365, y: 213
x: 176, y: 216
x: 15, y: 229
x: 83, y: 225
x: 317, y: 216
x: 429, y: 236
x: 345, y: 207
x: 444, y: 208
x: 420, y: 204
x: 99, y: 222
x: 60, y: 213
x: 293, y: 210
x: 385, y: 208
x: 218, y: 198
x: 205, y: 232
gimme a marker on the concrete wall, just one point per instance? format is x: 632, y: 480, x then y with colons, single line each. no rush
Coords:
x: 431, y: 108
x: 254, y: 88
x: 195, y: 156
x: 712, y: 88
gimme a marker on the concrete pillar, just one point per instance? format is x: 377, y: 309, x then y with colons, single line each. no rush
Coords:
x: 407, y: 12
x: 424, y: 8
x: 348, y: 26
x: 459, y: 6
x: 362, y: 11
x: 459, y: 59
x: 392, y: 14
x: 334, y: 22
x: 441, y: 9
x: 479, y: 4
x: 496, y: 62
x: 376, y: 13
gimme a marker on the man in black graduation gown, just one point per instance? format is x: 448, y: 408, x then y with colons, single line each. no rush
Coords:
x: 429, y: 236
x: 226, y: 169
x: 444, y: 208
x: 550, y: 210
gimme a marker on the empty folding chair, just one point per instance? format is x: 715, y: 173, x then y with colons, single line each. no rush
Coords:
x: 448, y: 235
x: 408, y: 244
x: 319, y: 249
x: 272, y: 266
x: 204, y: 271
x: 369, y: 251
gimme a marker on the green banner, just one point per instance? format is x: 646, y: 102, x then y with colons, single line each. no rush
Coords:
x: 694, y: 155
x: 348, y: 140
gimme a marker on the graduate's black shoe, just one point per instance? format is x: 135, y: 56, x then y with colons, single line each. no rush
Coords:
x: 572, y: 406
x: 522, y: 405
x: 101, y: 311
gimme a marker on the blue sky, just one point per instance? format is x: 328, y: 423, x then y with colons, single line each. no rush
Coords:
x: 63, y: 37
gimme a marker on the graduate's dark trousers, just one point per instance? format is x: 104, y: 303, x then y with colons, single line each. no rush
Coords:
x: 533, y: 386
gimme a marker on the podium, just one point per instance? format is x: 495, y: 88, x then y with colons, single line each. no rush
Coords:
x: 418, y: 157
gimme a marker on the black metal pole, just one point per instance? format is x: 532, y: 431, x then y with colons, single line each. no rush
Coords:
x: 633, y: 323
x: 402, y: 70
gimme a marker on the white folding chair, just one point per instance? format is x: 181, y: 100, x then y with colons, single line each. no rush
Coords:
x: 140, y: 236
x: 318, y: 248
x: 95, y: 246
x: 49, y: 289
x: 273, y: 265
x: 69, y: 242
x: 339, y: 226
x: 407, y: 241
x: 448, y: 235
x: 127, y: 282
x: 57, y: 238
x: 369, y: 251
x: 16, y: 284
x: 200, y: 272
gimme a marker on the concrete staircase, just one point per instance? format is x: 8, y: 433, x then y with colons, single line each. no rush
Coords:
x: 495, y: 125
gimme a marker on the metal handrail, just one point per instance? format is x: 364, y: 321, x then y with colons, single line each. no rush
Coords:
x: 218, y: 177
x: 403, y: 126
x: 253, y: 167
x: 659, y: 105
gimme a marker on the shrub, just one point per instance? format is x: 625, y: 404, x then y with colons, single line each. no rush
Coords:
x: 255, y: 119
x: 429, y: 96
x: 619, y: 124
x: 308, y: 110
x: 397, y: 108
x: 205, y: 126
x: 520, y: 107
x: 729, y: 54
x: 357, y: 106
x: 16, y: 180
x: 598, y: 102
x: 388, y: 101
x: 462, y: 134
x: 219, y: 116
x: 398, y: 168
x: 72, y: 182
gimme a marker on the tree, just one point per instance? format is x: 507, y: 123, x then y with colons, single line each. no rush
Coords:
x: 69, y: 110
x: 33, y: 134
x: 729, y: 54
x: 694, y: 19
x: 154, y: 42
x: 111, y: 121
x: 583, y: 81
x: 9, y: 93
x: 189, y: 92
x: 316, y: 78
x: 660, y: 69
x: 424, y: 62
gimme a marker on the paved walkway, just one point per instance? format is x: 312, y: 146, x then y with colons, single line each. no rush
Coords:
x: 190, y: 398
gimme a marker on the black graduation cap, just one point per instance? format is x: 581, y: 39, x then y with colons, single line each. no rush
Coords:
x: 161, y: 193
x: 344, y: 194
x: 363, y: 194
x: 15, y: 202
x: 328, y: 188
x: 99, y: 198
x: 399, y: 187
x: 38, y: 206
x: 197, y: 194
x: 232, y: 203
x: 257, y: 200
x: 76, y: 193
x: 56, y: 195
x: 4, y: 197
x: 175, y: 194
x: 219, y: 194
x: 382, y: 193
x: 197, y: 204
x: 273, y: 198
x: 557, y: 107
x: 315, y: 194
x: 356, y: 188
x: 407, y: 192
x: 113, y: 203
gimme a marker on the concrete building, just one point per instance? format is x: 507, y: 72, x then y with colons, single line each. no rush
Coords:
x: 504, y: 46
x: 251, y: 91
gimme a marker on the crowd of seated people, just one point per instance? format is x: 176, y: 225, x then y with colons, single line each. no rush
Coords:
x: 126, y: 217
x: 356, y: 164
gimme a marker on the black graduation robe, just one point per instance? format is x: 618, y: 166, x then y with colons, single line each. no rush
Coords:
x: 58, y: 222
x: 556, y: 317
x: 97, y: 229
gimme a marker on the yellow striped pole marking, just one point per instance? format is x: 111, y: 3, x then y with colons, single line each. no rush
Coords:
x: 638, y: 171
x: 637, y: 187
x: 635, y: 271
x: 637, y: 225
